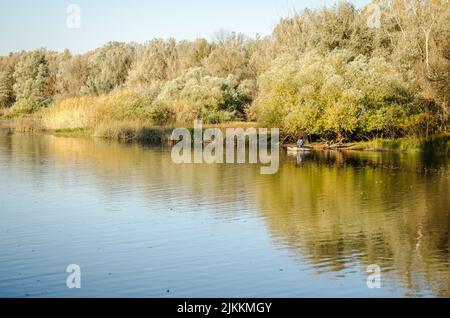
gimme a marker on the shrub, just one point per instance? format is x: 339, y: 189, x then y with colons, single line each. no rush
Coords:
x: 212, y: 99
x: 161, y: 114
x: 333, y: 95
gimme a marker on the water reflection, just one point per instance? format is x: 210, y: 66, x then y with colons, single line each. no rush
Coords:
x: 384, y: 160
x: 343, y: 211
x: 336, y: 212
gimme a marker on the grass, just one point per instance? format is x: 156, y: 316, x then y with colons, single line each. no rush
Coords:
x: 133, y: 130
x: 403, y: 144
x: 7, y: 113
x: 125, y: 114
x: 72, y: 113
x: 77, y: 132
x: 439, y: 144
x: 121, y: 115
x: 4, y: 112
x: 28, y: 124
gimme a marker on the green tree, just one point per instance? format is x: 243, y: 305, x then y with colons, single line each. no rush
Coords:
x: 7, y: 65
x: 212, y: 99
x: 109, y: 66
x: 31, y: 80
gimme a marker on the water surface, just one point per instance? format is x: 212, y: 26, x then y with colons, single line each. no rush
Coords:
x: 140, y: 226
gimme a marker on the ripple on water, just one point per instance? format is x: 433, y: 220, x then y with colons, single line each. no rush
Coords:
x: 139, y: 225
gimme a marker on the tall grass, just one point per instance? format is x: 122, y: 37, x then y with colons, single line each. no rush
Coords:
x: 123, y: 114
x: 72, y: 113
x: 438, y: 144
x: 127, y: 130
x: 4, y: 111
x: 7, y: 113
x: 30, y: 124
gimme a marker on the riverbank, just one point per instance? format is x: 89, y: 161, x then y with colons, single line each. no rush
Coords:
x: 439, y: 144
x: 139, y: 130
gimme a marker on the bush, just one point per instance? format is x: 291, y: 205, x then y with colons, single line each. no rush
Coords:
x: 196, y: 95
x: 26, y: 106
x: 161, y: 114
x: 335, y: 95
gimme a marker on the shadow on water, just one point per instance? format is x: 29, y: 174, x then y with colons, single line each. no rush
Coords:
x: 415, y: 161
x: 389, y: 209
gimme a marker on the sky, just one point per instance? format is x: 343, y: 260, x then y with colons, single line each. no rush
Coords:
x: 31, y: 24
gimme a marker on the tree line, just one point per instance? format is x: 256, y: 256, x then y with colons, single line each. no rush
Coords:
x: 326, y: 73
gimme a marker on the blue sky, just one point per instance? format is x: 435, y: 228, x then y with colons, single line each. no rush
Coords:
x: 31, y: 24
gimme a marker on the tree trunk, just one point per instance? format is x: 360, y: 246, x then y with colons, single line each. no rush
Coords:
x: 427, y: 50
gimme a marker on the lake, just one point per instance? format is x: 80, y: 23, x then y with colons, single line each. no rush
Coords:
x: 139, y: 225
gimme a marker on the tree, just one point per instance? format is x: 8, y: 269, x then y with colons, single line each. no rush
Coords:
x: 7, y: 65
x: 334, y: 95
x: 154, y: 62
x: 192, y: 54
x: 72, y: 76
x: 109, y: 66
x: 228, y: 56
x: 212, y: 99
x: 31, y: 79
x: 327, y: 72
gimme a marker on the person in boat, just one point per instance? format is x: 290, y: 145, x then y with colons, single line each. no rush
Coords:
x: 301, y: 143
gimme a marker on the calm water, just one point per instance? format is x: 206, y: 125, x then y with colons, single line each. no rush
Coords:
x: 140, y: 226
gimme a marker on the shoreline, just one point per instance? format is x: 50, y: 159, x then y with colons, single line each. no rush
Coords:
x: 437, y: 144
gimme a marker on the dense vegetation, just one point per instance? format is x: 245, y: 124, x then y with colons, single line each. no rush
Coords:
x: 324, y: 73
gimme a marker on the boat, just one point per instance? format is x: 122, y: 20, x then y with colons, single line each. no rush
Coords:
x: 297, y: 149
